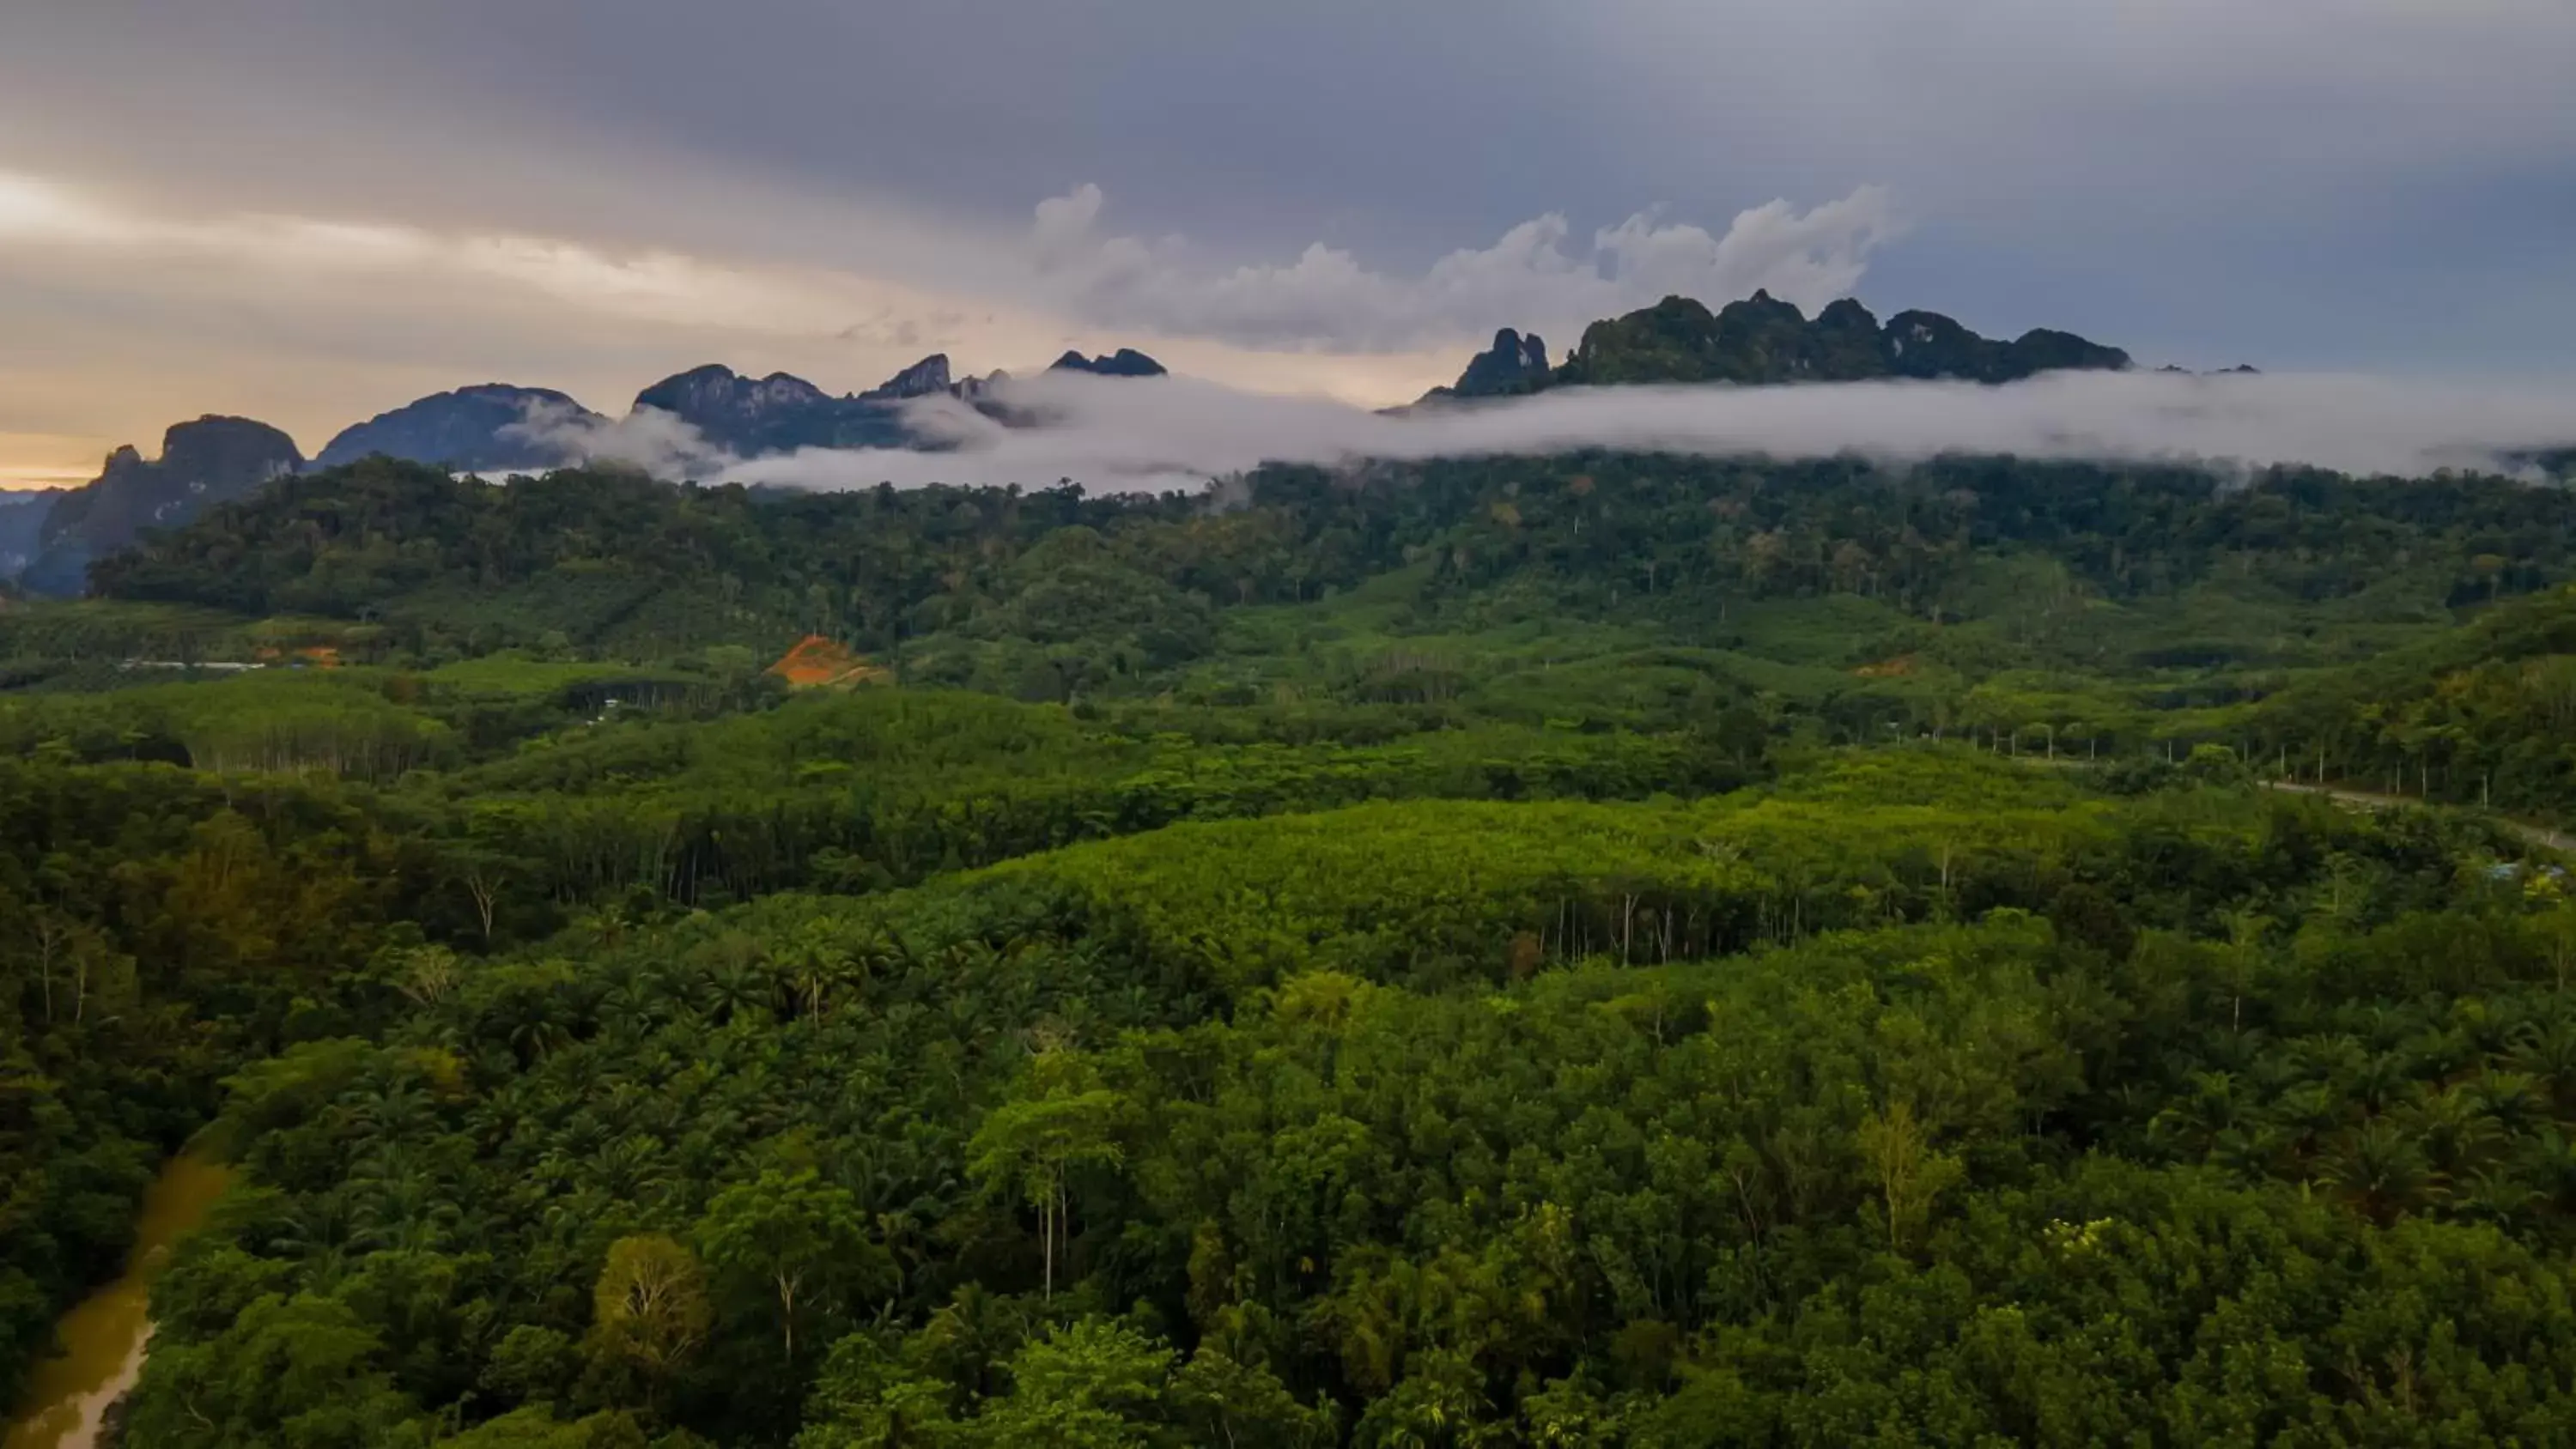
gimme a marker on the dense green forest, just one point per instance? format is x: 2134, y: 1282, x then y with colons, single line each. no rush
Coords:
x: 1607, y: 950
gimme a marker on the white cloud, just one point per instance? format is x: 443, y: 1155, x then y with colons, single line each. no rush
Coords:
x: 1174, y: 433
x: 649, y: 285
x: 1528, y: 278
x: 660, y: 443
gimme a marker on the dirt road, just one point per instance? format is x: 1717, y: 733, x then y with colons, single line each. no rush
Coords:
x: 2373, y: 800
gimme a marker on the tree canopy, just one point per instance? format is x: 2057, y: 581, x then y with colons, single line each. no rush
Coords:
x: 1603, y: 950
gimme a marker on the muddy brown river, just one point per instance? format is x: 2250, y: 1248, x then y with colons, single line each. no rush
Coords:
x: 103, y: 1337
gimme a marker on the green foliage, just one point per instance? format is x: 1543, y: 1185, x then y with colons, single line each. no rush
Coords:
x: 881, y: 788
x: 2006, y: 1066
x: 1093, y: 1383
x: 649, y: 1309
x: 797, y: 1239
x: 299, y: 1372
x: 1608, y: 951
x: 2477, y: 715
x: 156, y: 930
x: 2135, y: 592
x: 1435, y: 892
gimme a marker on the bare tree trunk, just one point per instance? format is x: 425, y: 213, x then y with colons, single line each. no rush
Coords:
x: 485, y: 892
x: 1047, y: 1212
x: 787, y: 1312
x: 49, y: 943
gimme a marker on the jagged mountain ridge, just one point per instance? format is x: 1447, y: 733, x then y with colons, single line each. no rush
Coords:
x: 781, y: 413
x: 1758, y: 340
x: 482, y: 428
x: 1762, y: 340
x: 1125, y: 362
x: 750, y: 416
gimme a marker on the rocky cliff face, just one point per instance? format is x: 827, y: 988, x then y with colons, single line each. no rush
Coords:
x: 923, y: 378
x: 474, y: 429
x: 209, y: 461
x: 1514, y: 364
x: 748, y: 416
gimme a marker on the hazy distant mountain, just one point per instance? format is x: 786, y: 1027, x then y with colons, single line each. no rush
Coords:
x: 1125, y: 362
x: 212, y: 460
x: 22, y: 522
x: 773, y: 414
x: 478, y: 429
x: 781, y: 412
x: 475, y: 429
x: 973, y: 389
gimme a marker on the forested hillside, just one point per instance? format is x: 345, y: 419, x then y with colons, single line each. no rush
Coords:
x: 619, y: 566
x: 2121, y: 608
x: 1609, y: 950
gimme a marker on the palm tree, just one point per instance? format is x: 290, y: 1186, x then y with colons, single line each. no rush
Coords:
x: 2455, y: 1134
x: 2495, y: 1194
x: 2381, y: 1171
x: 2548, y: 1056
x: 2195, y: 1121
x: 2512, y: 1100
x: 736, y: 987
x: 535, y: 1035
x: 820, y: 969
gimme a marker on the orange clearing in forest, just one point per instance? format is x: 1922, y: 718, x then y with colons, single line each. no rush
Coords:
x: 820, y: 663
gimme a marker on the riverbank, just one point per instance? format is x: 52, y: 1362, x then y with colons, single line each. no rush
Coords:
x: 104, y: 1336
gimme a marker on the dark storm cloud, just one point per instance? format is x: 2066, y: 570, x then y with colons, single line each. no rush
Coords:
x: 2381, y: 183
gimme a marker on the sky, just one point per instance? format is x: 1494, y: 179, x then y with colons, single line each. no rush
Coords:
x: 309, y: 211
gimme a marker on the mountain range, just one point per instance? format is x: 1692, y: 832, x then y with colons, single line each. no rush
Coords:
x: 49, y: 537
x: 48, y: 540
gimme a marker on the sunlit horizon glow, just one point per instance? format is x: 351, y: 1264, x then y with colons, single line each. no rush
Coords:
x: 598, y: 322
x: 49, y: 460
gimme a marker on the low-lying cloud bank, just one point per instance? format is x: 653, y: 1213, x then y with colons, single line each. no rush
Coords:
x: 1166, y: 433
